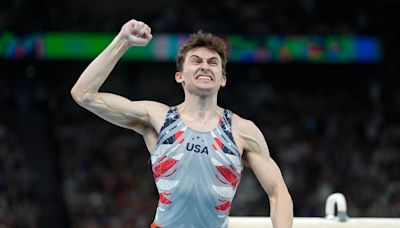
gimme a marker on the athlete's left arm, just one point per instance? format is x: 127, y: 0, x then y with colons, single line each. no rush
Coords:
x: 256, y: 154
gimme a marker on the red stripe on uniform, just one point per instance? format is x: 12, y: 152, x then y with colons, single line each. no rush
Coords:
x: 229, y: 175
x: 223, y: 207
x: 164, y: 167
x: 178, y: 134
x: 218, y: 142
x: 153, y: 225
x: 164, y: 200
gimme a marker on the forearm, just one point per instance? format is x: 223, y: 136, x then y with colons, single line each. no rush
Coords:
x: 98, y: 70
x: 281, y: 209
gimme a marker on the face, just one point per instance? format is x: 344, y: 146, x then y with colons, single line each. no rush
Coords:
x: 202, y: 71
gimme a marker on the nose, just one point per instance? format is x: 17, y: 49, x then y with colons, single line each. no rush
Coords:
x: 204, y: 68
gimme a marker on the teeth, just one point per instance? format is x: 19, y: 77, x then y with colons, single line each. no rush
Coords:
x: 204, y: 77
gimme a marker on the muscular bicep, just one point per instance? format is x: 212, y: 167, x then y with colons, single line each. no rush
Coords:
x: 266, y: 171
x: 135, y: 115
x: 256, y: 155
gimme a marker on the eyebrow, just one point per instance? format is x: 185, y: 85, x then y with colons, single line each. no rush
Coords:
x: 211, y: 58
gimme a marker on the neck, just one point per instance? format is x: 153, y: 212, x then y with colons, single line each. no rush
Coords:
x: 199, y: 108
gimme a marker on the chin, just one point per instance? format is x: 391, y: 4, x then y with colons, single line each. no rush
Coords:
x: 207, y: 90
x: 206, y: 87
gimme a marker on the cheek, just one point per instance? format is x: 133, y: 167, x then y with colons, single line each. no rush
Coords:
x: 217, y: 70
x: 190, y: 71
x: 187, y: 73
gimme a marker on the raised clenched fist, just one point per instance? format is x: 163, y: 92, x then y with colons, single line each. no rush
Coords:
x: 136, y: 33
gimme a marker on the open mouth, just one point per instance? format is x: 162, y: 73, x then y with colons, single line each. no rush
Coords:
x: 204, y: 77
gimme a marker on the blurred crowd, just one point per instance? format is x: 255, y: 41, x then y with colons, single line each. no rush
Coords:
x: 17, y: 206
x: 226, y: 16
x: 333, y: 134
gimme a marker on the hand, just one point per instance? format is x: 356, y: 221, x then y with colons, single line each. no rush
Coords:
x: 136, y: 33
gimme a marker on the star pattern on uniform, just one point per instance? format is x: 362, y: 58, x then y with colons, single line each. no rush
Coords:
x: 172, y: 115
x: 226, y: 128
x: 226, y: 124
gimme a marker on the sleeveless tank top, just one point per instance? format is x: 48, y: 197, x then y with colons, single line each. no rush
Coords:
x: 196, y: 174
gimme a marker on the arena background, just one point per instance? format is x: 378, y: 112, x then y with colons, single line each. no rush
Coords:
x: 332, y: 126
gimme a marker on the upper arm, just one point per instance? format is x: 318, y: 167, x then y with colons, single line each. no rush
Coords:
x: 256, y: 154
x: 135, y: 115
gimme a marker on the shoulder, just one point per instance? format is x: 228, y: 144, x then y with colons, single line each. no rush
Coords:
x: 252, y: 141
x: 155, y: 112
x: 246, y: 133
x: 242, y: 125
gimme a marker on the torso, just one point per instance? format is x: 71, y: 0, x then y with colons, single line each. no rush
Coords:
x: 196, y: 173
x: 158, y: 118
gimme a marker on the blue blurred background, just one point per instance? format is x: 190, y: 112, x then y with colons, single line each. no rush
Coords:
x: 320, y: 78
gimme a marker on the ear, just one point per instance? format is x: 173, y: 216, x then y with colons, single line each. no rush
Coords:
x: 223, y: 81
x: 179, y: 77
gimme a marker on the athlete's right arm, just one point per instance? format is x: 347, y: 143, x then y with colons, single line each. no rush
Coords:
x: 113, y: 108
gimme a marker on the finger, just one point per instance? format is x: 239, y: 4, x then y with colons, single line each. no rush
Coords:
x: 131, y: 24
x: 148, y: 28
x: 143, y: 32
x: 147, y: 34
x: 141, y: 41
x: 132, y: 21
x: 139, y: 26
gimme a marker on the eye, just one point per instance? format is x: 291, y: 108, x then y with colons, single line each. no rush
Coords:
x: 195, y: 60
x: 213, y: 62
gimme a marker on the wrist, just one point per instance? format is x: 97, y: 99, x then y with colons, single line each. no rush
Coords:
x: 121, y: 43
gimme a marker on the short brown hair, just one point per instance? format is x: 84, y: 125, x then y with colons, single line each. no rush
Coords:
x: 201, y: 39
